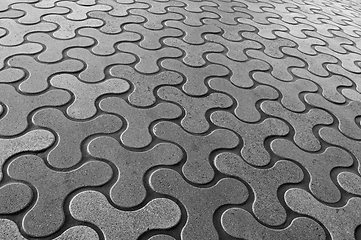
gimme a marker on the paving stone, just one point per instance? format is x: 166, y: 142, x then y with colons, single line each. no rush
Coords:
x: 193, y: 53
x: 4, y: 5
x: 129, y: 191
x: 27, y: 48
x: 71, y: 134
x: 10, y: 75
x: 195, y: 80
x: 345, y: 114
x: 246, y: 98
x: 227, y: 15
x: 105, y: 42
x: 235, y: 50
x: 341, y: 222
x: 193, y: 35
x: 86, y: 2
x: 113, y: 24
x: 240, y: 70
x: 148, y: 59
x: 11, y: 13
x: 79, y: 233
x: 9, y: 230
x: 47, y: 215
x: 287, y: 18
x: 351, y: 94
x: 272, y: 47
x: 333, y: 136
x: 161, y: 237
x: 303, y: 123
x: 200, y: 203
x: 68, y: 27
x: 85, y: 94
x: 33, y: 15
x: 45, y: 3
x: 39, y: 73
x: 230, y: 32
x: 195, y: 108
x: 323, y: 29
x: 295, y: 30
x: 92, y: 206
x: 290, y: 90
x: 259, y: 17
x: 197, y: 168
x: 193, y: 18
x: 156, y: 21
x: 161, y: 7
x: 19, y: 106
x: 264, y: 30
x: 34, y: 140
x: 196, y: 6
x: 328, y: 85
x: 121, y: 10
x: 347, y: 59
x: 152, y: 39
x: 355, y: 40
x: 239, y: 223
x: 334, y: 43
x: 226, y: 6
x: 16, y: 31
x: 264, y: 183
x: 79, y: 12
x: 256, y: 6
x: 319, y: 166
x: 253, y: 135
x: 94, y: 71
x: 279, y: 66
x: 138, y: 119
x: 14, y: 197
x: 55, y: 47
x: 350, y: 182
x: 338, y: 70
x: 302, y: 45
x: 144, y: 84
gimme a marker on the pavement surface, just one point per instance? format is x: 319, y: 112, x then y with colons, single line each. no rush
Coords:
x: 180, y: 119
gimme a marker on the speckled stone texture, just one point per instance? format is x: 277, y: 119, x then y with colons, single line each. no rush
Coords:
x: 180, y: 119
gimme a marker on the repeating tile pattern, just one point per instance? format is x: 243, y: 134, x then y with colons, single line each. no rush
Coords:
x: 180, y: 119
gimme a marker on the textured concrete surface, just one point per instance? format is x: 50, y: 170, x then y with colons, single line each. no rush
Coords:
x: 180, y: 119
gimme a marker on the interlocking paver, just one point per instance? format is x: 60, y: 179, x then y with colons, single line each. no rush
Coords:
x: 303, y: 123
x: 253, y: 135
x: 14, y: 197
x: 240, y: 70
x: 16, y: 31
x: 195, y: 108
x: 55, y: 47
x: 39, y: 73
x: 67, y: 152
x: 319, y: 166
x: 181, y: 119
x: 85, y: 94
x: 195, y: 84
x: 92, y: 206
x: 19, y: 106
x: 150, y: 38
x: 200, y: 203
x: 193, y: 53
x: 246, y: 98
x: 290, y: 90
x: 138, y: 119
x: 128, y: 191
x: 345, y: 115
x: 239, y: 223
x: 144, y: 84
x: 197, y: 169
x: 47, y: 215
x: 105, y: 42
x: 68, y: 27
x: 341, y: 222
x: 149, y: 58
x: 94, y: 71
x: 264, y: 183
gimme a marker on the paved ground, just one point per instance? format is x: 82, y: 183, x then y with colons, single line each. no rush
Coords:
x: 180, y: 119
